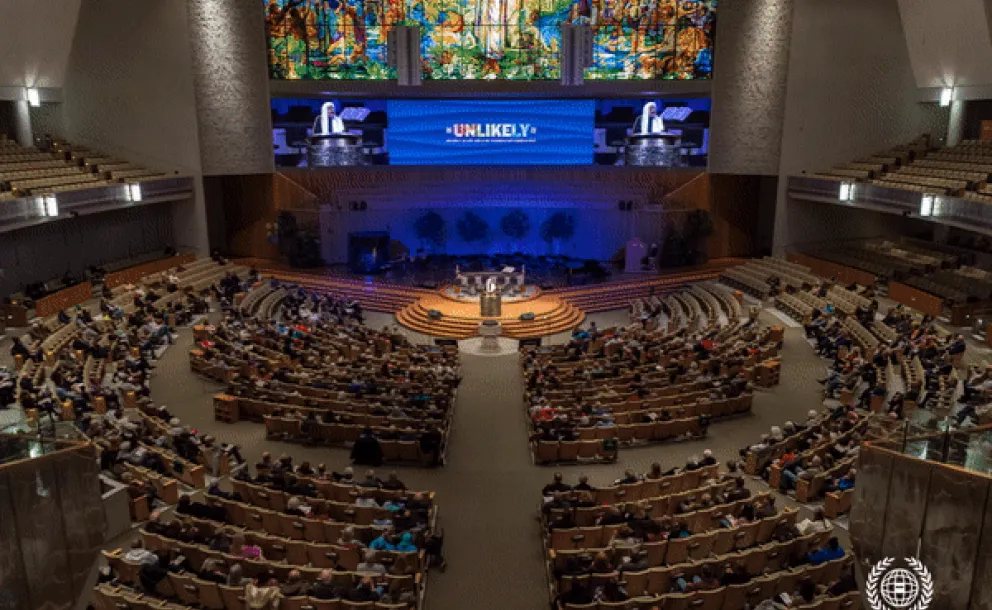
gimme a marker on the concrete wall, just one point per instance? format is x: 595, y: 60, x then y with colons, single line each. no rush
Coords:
x: 48, y: 120
x: 129, y: 92
x: 749, y: 87
x: 851, y: 92
x: 227, y: 38
x: 46, y: 251
x: 35, y: 38
x: 948, y: 41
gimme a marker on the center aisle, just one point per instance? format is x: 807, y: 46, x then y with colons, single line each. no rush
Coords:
x: 488, y: 496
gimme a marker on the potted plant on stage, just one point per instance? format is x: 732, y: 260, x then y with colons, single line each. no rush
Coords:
x: 557, y: 228
x: 515, y: 225
x: 472, y: 228
x: 431, y: 230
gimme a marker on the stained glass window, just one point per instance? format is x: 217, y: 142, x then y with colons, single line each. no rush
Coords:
x: 491, y: 39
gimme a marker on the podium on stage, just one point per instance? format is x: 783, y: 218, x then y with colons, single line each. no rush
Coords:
x: 491, y: 304
x: 334, y: 150
x: 491, y: 301
x: 653, y: 149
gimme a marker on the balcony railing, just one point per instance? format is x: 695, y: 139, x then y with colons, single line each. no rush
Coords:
x: 927, y: 206
x: 37, y: 209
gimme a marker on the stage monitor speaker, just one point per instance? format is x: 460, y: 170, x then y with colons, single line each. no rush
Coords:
x: 446, y: 342
x: 434, y: 314
x: 527, y: 315
x: 530, y: 342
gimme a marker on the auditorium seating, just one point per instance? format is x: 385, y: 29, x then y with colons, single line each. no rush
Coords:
x: 28, y: 171
x: 962, y: 170
x: 718, y: 536
x: 666, y: 405
x: 761, y: 277
x: 295, y: 408
x: 618, y: 295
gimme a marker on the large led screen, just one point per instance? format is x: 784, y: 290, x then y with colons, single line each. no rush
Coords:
x: 491, y: 39
x: 446, y: 132
x: 511, y: 132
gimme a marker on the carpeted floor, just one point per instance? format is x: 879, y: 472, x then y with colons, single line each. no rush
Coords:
x: 489, y: 491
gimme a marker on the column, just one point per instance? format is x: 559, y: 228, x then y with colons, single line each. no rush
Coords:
x: 750, y: 77
x: 231, y: 82
x: 22, y: 123
x: 955, y: 123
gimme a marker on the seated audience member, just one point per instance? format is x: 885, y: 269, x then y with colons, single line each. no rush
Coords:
x: 394, y: 483
x: 262, y: 593
x: 364, y: 592
x: 323, y: 586
x: 830, y: 552
x: 367, y: 450
x: 557, y: 485
x: 235, y: 576
x: 816, y: 525
x: 140, y: 555
x: 294, y: 585
x: 369, y: 565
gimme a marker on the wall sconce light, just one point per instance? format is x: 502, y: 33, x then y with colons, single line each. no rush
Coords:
x: 945, y: 96
x: 51, y: 206
x: 134, y: 192
x: 33, y: 96
x: 926, y: 205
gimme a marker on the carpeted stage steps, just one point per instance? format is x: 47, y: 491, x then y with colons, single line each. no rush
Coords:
x: 561, y: 318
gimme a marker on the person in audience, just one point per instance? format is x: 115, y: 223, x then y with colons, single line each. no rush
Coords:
x: 364, y: 592
x: 214, y: 570
x: 816, y: 525
x: 235, y: 576
x: 779, y: 602
x: 583, y: 484
x: 247, y: 551
x: 370, y: 481
x: 845, y: 584
x: 323, y: 587
x: 807, y: 592
x: 294, y: 585
x: 138, y: 554
x: 629, y: 478
x: 705, y: 581
x: 382, y: 542
x: 262, y: 593
x: 830, y: 552
x: 842, y: 483
x: 708, y: 459
x: 367, y: 450
x: 369, y: 565
x: 393, y: 483
x: 557, y: 485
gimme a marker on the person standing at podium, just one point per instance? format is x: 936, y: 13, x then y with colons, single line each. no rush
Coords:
x: 329, y: 121
x: 649, y: 121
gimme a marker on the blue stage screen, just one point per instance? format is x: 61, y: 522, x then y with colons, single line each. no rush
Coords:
x: 503, y: 132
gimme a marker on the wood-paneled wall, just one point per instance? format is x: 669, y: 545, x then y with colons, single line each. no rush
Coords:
x: 251, y: 202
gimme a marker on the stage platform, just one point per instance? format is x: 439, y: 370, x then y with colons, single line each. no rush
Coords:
x: 461, y: 318
x: 554, y: 310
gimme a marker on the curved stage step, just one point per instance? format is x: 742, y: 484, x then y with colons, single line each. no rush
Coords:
x: 556, y: 316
